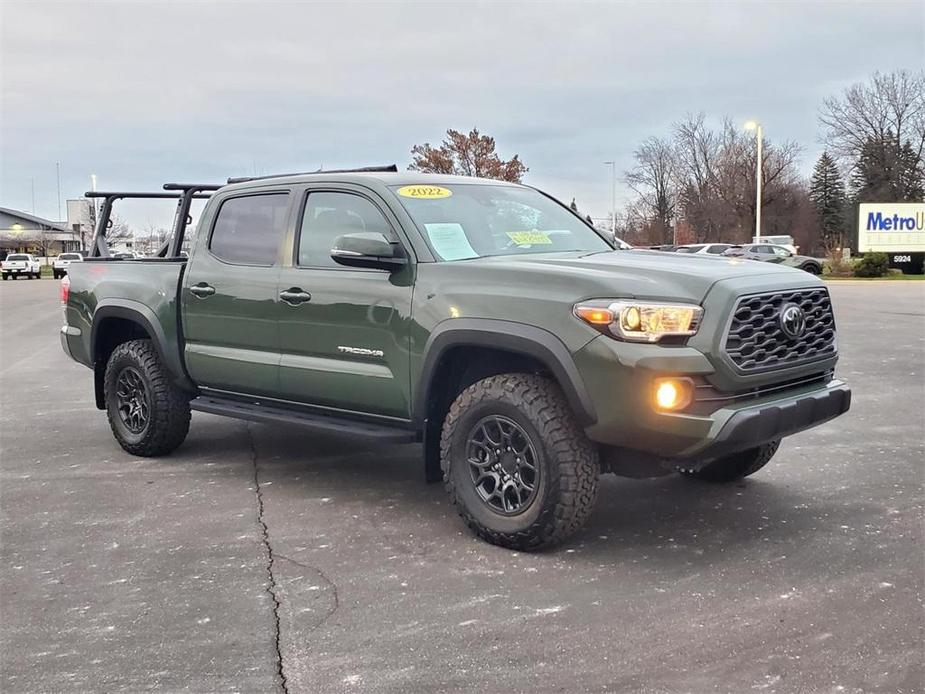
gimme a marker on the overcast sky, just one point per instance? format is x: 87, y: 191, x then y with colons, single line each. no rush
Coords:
x: 141, y: 93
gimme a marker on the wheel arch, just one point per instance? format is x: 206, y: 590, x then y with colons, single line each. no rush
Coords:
x: 117, y: 321
x: 490, y: 347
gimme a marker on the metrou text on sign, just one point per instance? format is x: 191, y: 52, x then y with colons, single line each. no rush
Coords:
x: 894, y: 228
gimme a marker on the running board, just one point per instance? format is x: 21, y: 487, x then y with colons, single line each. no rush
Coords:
x: 255, y: 412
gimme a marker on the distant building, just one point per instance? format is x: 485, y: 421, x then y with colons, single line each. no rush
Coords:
x: 25, y: 233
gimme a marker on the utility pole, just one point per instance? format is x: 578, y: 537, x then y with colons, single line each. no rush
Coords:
x: 756, y: 126
x: 58, y: 176
x: 613, y: 197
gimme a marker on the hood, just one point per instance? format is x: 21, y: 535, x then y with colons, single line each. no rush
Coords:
x: 639, y: 274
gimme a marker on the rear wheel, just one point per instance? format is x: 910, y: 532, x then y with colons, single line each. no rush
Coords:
x: 148, y: 415
x: 735, y: 466
x: 517, y: 466
x: 813, y: 269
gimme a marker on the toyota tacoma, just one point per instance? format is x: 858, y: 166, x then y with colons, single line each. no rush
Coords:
x: 482, y: 319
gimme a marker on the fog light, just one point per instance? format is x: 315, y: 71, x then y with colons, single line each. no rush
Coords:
x: 672, y: 393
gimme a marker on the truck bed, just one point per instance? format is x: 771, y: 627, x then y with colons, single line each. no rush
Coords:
x: 107, y: 289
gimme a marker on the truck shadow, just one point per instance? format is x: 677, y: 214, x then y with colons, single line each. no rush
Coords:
x: 633, y: 519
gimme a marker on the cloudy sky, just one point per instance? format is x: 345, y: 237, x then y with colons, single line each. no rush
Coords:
x: 144, y: 92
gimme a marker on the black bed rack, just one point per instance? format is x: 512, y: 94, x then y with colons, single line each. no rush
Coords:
x: 183, y: 193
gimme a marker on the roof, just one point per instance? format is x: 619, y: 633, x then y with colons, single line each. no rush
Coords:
x: 400, y: 178
x: 60, y: 226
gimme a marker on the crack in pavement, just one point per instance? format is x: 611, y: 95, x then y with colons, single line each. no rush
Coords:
x: 268, y: 548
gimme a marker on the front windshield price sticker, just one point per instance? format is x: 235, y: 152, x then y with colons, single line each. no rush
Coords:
x: 529, y: 238
x: 424, y: 192
x: 450, y: 241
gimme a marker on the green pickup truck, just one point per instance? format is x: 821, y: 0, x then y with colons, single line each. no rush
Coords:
x: 482, y: 319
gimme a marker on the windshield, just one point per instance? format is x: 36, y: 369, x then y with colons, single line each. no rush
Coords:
x: 18, y: 256
x: 462, y: 221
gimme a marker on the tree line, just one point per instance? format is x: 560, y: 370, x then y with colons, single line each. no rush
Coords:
x: 697, y: 182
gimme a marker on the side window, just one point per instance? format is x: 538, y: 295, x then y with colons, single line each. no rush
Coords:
x: 717, y: 250
x: 781, y: 252
x: 763, y: 250
x: 249, y: 229
x: 329, y: 215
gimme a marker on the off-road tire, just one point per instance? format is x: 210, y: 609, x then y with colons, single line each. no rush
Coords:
x: 735, y: 466
x: 168, y: 407
x: 568, y: 462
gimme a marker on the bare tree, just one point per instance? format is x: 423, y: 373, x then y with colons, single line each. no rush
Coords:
x: 889, y: 105
x: 716, y: 179
x: 654, y: 180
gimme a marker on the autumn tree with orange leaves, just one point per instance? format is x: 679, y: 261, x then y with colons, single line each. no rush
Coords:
x: 466, y: 155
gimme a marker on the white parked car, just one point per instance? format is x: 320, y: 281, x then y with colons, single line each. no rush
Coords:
x: 704, y: 248
x: 59, y: 269
x: 21, y: 264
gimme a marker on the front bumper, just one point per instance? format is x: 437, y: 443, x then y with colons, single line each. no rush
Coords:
x: 619, y: 378
x: 747, y: 427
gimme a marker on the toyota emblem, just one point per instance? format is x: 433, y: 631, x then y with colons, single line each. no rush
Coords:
x: 792, y: 321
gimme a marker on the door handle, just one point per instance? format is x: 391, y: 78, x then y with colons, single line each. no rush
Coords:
x: 202, y: 290
x: 295, y: 296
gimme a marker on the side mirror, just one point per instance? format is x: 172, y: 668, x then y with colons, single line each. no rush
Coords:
x: 368, y: 249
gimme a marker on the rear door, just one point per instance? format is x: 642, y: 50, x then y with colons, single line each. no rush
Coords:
x: 229, y: 295
x: 344, y: 333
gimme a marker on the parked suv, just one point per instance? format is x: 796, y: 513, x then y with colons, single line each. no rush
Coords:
x: 21, y: 265
x: 59, y: 269
x: 768, y: 253
x: 480, y: 318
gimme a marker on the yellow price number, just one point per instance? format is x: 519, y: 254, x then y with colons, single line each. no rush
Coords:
x: 424, y: 192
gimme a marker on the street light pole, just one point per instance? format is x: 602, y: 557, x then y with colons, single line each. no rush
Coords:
x: 756, y: 126
x: 613, y: 197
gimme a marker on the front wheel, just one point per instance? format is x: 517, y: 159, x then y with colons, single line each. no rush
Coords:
x: 734, y: 466
x: 515, y: 463
x: 148, y: 415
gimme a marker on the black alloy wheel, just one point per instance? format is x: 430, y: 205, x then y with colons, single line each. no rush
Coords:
x: 503, y: 464
x: 133, y: 401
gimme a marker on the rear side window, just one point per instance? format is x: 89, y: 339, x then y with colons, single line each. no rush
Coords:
x: 248, y: 230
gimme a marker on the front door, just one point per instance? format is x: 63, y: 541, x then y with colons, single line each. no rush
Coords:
x: 344, y: 332
x: 229, y: 296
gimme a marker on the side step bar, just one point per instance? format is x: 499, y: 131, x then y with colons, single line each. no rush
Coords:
x: 319, y: 422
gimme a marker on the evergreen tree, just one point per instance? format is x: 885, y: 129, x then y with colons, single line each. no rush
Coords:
x: 888, y: 171
x: 827, y: 193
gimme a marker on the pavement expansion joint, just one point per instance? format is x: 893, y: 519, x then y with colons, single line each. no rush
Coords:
x: 268, y: 548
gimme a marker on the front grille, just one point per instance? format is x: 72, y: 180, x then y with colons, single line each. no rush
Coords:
x: 756, y: 341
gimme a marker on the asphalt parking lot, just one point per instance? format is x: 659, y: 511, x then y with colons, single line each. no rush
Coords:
x: 260, y: 557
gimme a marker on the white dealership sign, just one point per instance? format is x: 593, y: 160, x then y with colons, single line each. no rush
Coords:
x: 889, y: 227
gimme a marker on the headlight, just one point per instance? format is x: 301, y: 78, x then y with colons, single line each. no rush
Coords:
x: 640, y: 321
